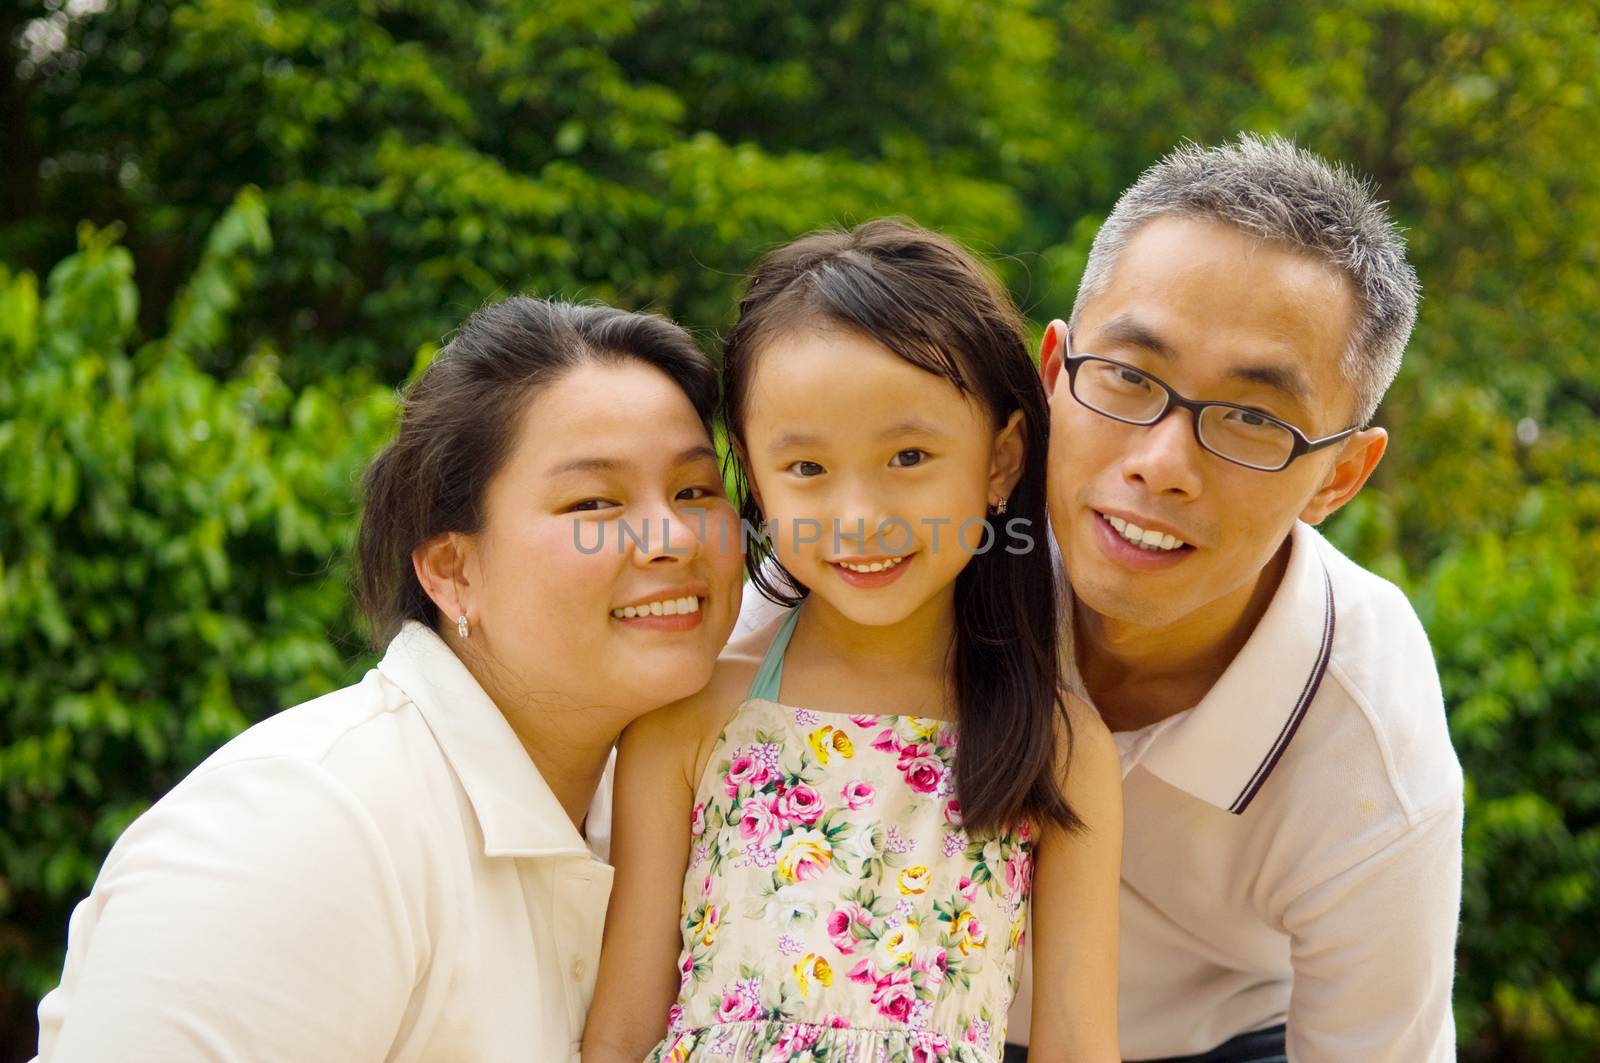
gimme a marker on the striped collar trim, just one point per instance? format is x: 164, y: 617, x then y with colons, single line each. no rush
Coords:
x: 1225, y: 748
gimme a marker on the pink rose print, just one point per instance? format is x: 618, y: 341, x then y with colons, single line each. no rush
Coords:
x: 885, y: 742
x: 893, y: 996
x: 746, y: 770
x: 675, y: 1019
x: 758, y: 821
x: 967, y: 888
x: 862, y: 972
x: 1019, y: 874
x: 858, y: 795
x: 839, y: 922
x: 952, y: 812
x: 685, y: 969
x: 741, y: 1002
x: 796, y: 1039
x: 800, y: 805
x: 923, y: 772
x: 697, y: 820
x: 864, y: 721
x: 933, y: 963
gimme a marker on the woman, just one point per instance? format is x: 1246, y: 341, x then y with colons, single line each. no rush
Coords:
x: 399, y: 870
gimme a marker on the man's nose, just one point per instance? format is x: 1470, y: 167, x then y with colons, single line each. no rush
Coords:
x: 1165, y: 457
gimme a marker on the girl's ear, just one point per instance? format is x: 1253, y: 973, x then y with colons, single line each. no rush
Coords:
x: 1006, y: 457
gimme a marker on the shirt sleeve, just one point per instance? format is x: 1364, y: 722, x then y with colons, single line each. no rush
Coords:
x: 1373, y: 951
x: 252, y: 914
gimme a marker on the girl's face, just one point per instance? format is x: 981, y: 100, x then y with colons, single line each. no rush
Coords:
x: 874, y: 475
x: 611, y: 500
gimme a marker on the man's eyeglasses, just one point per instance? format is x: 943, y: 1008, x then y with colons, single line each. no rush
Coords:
x: 1234, y: 433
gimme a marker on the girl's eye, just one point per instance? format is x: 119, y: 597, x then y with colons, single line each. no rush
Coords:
x: 907, y: 458
x: 590, y: 505
x: 694, y: 494
x: 806, y: 469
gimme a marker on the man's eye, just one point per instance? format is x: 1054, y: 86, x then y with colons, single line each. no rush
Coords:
x: 590, y: 505
x: 806, y: 469
x: 907, y: 458
x: 1250, y: 419
x: 1128, y: 376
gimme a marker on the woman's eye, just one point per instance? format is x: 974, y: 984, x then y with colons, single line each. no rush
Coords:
x: 590, y: 505
x: 907, y: 458
x: 694, y: 494
x: 806, y: 469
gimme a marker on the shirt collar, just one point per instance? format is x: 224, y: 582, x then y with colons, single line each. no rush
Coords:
x: 516, y: 810
x: 1224, y: 748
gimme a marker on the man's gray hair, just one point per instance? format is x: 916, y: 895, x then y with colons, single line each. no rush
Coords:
x: 1272, y: 189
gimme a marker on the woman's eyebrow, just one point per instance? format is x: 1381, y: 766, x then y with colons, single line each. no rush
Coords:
x: 698, y: 452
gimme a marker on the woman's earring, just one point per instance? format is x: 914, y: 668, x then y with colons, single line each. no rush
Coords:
x: 1000, y: 508
x: 462, y: 628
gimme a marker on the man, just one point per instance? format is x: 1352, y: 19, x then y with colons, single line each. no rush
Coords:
x: 1292, y: 854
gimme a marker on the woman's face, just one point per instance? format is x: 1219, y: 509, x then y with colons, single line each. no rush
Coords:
x: 609, y: 504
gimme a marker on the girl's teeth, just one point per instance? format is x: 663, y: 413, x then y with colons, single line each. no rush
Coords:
x: 876, y: 566
x: 665, y: 607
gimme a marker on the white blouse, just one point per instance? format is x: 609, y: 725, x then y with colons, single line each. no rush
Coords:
x: 379, y: 874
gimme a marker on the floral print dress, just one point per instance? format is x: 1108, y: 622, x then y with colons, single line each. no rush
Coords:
x: 834, y: 908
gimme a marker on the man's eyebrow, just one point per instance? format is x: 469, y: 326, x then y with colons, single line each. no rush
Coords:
x: 698, y: 452
x: 1125, y: 329
x: 1288, y: 379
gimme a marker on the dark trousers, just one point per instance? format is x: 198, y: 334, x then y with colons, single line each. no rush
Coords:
x: 1262, y: 1046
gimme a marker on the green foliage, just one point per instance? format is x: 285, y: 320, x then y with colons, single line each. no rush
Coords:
x: 314, y: 193
x: 171, y: 561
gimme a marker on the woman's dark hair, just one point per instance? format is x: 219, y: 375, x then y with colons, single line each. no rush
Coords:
x: 928, y: 301
x: 459, y: 421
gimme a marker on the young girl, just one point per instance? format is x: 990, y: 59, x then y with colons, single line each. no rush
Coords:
x: 855, y: 882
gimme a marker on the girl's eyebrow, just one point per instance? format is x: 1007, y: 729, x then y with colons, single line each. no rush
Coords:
x: 912, y: 426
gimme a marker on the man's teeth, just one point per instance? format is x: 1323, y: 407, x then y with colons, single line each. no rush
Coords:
x: 876, y: 566
x: 665, y: 607
x: 1145, y: 537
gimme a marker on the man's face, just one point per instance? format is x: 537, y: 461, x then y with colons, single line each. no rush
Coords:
x: 1220, y: 316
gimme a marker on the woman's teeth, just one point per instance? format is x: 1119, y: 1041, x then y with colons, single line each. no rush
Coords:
x: 875, y: 566
x: 1147, y: 538
x: 665, y: 607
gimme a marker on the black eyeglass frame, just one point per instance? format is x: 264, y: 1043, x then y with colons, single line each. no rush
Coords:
x: 1303, y: 444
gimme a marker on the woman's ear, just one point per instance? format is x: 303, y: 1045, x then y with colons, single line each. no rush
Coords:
x: 1006, y: 458
x: 441, y: 567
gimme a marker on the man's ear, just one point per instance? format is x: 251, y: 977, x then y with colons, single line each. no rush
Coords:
x: 1007, y: 458
x: 441, y: 568
x: 1052, y: 351
x: 1358, y: 456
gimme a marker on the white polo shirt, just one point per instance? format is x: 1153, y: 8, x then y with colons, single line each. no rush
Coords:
x: 379, y: 874
x: 1292, y: 849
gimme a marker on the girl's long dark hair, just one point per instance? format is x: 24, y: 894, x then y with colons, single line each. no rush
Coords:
x: 925, y: 299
